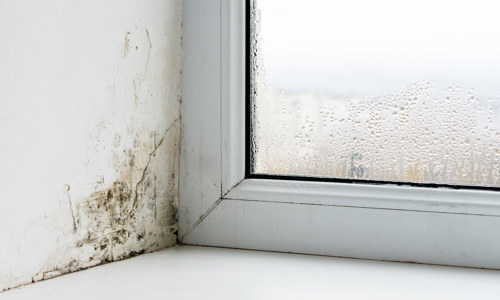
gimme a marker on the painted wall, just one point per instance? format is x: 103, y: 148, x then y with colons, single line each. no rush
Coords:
x: 89, y: 133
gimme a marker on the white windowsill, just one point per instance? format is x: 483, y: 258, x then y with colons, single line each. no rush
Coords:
x: 217, y: 273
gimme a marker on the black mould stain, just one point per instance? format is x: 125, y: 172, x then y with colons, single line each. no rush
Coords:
x: 124, y: 220
x: 135, y: 253
x: 106, y: 219
x: 105, y: 209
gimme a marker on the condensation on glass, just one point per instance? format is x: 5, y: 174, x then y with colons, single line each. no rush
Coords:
x: 404, y: 91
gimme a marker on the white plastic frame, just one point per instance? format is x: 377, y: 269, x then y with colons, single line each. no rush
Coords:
x: 219, y: 207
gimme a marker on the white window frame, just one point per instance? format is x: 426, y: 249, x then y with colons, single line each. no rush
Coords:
x: 219, y: 207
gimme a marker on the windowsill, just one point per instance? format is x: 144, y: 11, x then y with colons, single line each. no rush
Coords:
x: 215, y: 273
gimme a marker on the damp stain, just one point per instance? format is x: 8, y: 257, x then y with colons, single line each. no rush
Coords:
x: 132, y: 207
x: 131, y: 216
x: 126, y: 44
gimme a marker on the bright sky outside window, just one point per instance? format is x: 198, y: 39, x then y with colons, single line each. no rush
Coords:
x: 401, y: 91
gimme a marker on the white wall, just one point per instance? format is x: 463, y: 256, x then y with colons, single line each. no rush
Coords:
x: 89, y: 133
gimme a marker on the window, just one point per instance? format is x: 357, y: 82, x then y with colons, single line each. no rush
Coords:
x: 219, y: 206
x: 392, y: 91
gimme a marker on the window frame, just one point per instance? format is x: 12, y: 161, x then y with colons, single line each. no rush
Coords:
x: 219, y: 206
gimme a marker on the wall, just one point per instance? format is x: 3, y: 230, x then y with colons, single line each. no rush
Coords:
x: 89, y: 127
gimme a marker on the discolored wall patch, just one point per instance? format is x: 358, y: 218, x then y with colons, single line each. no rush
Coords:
x: 93, y: 144
x: 125, y: 219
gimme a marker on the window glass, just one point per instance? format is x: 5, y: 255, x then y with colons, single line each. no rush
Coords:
x: 401, y: 91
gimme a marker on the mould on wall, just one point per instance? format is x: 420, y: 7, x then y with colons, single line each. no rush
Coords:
x: 105, y: 122
x: 128, y: 218
x: 126, y: 44
x: 131, y: 163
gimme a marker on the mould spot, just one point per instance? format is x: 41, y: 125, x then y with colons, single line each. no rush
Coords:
x: 133, y: 215
x: 117, y: 140
x: 126, y: 44
x: 131, y: 161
